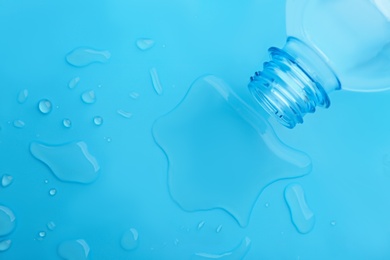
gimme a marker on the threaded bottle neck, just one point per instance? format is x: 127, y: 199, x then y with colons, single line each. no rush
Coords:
x: 293, y: 83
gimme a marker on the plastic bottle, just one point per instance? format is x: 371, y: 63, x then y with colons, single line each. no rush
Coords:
x: 331, y: 44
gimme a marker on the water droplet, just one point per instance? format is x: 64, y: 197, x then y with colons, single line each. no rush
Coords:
x: 219, y: 228
x: 22, y: 96
x: 45, y: 106
x: 144, y: 44
x: 88, y: 97
x: 52, y: 192
x: 46, y: 181
x: 266, y: 205
x: 129, y: 240
x: 108, y: 139
x: 7, y: 221
x: 333, y: 223
x: 5, y: 245
x: 42, y: 234
x: 69, y: 162
x: 81, y: 57
x: 134, y: 95
x: 176, y: 242
x: 238, y: 252
x: 51, y: 225
x: 218, y: 147
x: 74, y: 249
x: 301, y: 215
x: 124, y: 113
x: 73, y: 82
x: 156, y: 81
x: 67, y: 123
x: 6, y: 180
x: 19, y: 124
x: 200, y: 225
x: 97, y: 120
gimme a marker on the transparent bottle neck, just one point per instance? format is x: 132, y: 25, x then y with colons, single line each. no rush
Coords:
x: 294, y: 82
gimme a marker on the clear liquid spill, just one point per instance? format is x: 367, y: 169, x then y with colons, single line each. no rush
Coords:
x: 45, y: 106
x: 237, y: 253
x: 73, y: 82
x: 129, y: 240
x: 301, y: 215
x: 69, y: 162
x: 19, y: 124
x: 74, y: 250
x: 6, y: 180
x: 97, y: 120
x: 156, y: 81
x: 7, y: 221
x: 67, y: 123
x: 81, y: 57
x: 124, y: 113
x: 88, y: 97
x: 221, y: 153
x: 144, y: 44
x: 5, y: 245
x: 22, y: 96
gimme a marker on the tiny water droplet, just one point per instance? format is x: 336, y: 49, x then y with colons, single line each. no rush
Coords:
x: 74, y: 249
x: 70, y: 162
x: 97, y: 120
x: 176, y: 242
x: 5, y: 245
x: 333, y: 223
x: 301, y: 215
x: 156, y: 81
x: 219, y: 228
x: 22, y: 96
x: 45, y: 106
x: 67, y: 123
x: 46, y: 181
x: 109, y: 139
x: 6, y: 180
x: 51, y: 225
x: 81, y: 57
x: 73, y: 82
x: 7, y: 221
x: 134, y: 95
x: 124, y: 113
x: 266, y: 205
x: 88, y: 97
x: 19, y: 124
x: 129, y: 240
x: 200, y: 225
x: 52, y: 192
x: 144, y: 44
x: 42, y: 234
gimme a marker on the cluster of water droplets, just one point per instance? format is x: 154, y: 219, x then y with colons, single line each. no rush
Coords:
x: 57, y: 157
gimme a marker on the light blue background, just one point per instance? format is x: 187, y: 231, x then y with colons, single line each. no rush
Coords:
x: 347, y: 143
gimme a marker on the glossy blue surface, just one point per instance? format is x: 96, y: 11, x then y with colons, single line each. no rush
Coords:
x: 109, y: 73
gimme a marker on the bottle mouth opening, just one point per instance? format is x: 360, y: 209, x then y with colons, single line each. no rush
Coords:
x: 283, y: 113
